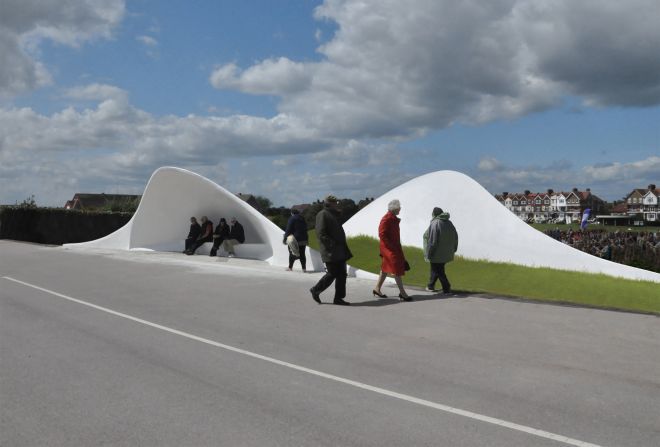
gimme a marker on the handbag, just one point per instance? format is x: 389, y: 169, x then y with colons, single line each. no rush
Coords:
x: 406, y: 266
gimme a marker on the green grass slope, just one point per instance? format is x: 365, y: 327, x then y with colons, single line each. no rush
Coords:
x: 517, y: 281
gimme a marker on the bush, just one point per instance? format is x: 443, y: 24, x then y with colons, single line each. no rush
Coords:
x: 279, y: 220
x: 57, y: 225
x: 126, y: 205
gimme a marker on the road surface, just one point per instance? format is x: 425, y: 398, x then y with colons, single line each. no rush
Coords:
x: 153, y: 349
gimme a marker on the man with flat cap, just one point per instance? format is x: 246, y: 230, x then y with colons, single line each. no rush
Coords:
x: 334, y: 251
x: 440, y: 244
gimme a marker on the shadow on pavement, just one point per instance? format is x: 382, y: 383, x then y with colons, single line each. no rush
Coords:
x: 394, y: 300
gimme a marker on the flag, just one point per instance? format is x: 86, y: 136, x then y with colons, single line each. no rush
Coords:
x: 585, y: 216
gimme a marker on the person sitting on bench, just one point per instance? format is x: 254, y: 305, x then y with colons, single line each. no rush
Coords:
x: 206, y: 236
x: 193, y: 234
x: 236, y: 236
x: 219, y: 235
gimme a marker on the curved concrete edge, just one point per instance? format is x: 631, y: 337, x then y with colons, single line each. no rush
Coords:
x: 172, y: 196
x: 486, y: 229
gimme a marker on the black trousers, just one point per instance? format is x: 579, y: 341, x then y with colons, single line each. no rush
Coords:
x: 198, y: 243
x: 337, y: 273
x: 438, y: 272
x: 189, y: 242
x: 216, y: 245
x: 302, y: 257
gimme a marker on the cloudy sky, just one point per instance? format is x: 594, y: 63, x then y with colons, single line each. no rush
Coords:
x: 296, y: 99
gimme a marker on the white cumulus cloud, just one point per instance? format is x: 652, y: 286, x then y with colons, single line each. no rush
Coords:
x: 272, y: 76
x: 608, y: 181
x: 147, y: 40
x: 24, y: 24
x: 396, y: 68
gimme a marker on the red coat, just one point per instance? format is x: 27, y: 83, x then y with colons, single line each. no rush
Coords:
x: 390, y: 245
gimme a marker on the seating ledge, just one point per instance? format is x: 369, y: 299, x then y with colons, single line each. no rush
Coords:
x: 248, y: 251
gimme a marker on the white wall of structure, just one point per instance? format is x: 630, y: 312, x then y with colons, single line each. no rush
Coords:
x: 486, y: 229
x: 172, y: 196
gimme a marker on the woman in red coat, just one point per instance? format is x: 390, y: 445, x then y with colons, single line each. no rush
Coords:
x: 390, y: 250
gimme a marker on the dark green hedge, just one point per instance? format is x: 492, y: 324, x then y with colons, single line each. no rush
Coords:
x: 57, y: 225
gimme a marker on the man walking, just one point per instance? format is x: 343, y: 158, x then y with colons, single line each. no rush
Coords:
x: 440, y: 244
x: 334, y: 251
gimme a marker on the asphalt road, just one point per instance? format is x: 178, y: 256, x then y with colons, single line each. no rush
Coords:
x: 194, y: 351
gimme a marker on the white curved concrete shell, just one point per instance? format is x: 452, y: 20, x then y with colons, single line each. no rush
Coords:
x: 172, y: 196
x: 486, y: 229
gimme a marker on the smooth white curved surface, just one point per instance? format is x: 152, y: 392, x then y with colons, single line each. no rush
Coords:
x: 486, y: 229
x: 172, y: 196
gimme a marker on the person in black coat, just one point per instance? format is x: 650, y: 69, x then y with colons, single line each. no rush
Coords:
x: 334, y: 251
x: 219, y: 235
x: 295, y: 236
x: 193, y: 234
x: 236, y: 236
x: 205, y: 236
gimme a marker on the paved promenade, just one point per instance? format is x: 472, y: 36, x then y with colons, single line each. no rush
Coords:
x: 150, y: 349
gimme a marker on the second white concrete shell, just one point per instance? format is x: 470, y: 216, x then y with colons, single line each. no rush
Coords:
x: 486, y: 229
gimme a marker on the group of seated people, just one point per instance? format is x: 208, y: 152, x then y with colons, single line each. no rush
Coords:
x: 226, y: 235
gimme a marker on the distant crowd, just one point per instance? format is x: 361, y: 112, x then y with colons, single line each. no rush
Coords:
x: 638, y: 248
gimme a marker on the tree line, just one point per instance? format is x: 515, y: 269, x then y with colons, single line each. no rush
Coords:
x: 280, y: 215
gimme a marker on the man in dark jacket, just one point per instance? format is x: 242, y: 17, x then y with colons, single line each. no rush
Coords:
x: 334, y: 251
x: 205, y: 236
x: 295, y: 236
x: 219, y: 235
x: 440, y: 244
x: 193, y: 234
x: 236, y: 236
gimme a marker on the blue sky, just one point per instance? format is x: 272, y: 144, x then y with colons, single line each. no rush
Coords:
x: 296, y: 99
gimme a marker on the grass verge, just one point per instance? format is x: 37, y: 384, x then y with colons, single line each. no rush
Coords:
x: 517, y: 281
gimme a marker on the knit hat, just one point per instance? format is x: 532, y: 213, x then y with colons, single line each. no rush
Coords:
x: 437, y: 211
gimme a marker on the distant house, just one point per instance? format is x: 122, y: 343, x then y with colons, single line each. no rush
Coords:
x: 542, y: 206
x: 90, y: 202
x: 644, y: 203
x: 620, y: 209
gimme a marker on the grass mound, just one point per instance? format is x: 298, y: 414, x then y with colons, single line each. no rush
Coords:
x: 517, y: 281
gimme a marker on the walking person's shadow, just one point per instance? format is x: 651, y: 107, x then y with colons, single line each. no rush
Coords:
x: 377, y: 302
x: 394, y: 300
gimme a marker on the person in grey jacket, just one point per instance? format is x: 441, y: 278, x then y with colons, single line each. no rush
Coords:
x: 334, y: 251
x: 440, y: 244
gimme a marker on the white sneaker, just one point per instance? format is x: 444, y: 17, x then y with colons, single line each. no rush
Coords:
x: 231, y: 255
x: 428, y: 289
